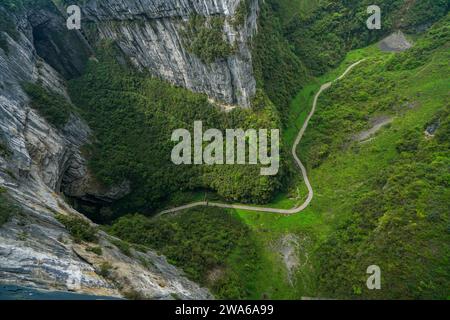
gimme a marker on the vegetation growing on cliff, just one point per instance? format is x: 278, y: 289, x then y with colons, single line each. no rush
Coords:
x: 133, y: 116
x: 278, y: 71
x: 6, y: 26
x: 79, y: 229
x: 203, y: 36
x: 4, y: 150
x: 241, y: 13
x: 7, y: 208
x: 51, y: 105
x: 213, y: 247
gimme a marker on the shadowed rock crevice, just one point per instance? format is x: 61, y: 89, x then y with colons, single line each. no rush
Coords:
x: 65, y: 50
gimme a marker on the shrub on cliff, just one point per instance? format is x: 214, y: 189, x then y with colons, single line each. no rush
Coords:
x: 51, y: 105
x: 204, y: 37
x: 79, y: 229
x: 7, y: 208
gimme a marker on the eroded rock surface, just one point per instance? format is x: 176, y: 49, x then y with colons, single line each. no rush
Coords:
x: 35, y: 249
x: 149, y: 33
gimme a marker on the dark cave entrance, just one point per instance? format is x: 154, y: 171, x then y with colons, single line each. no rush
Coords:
x: 64, y: 50
x: 98, y: 211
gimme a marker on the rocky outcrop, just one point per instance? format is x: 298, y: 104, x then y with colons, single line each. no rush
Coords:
x: 396, y: 42
x: 36, y: 249
x: 149, y: 33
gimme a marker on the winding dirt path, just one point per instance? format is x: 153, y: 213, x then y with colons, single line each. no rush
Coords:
x: 297, y: 161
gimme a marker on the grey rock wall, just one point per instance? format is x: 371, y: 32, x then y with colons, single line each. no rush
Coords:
x: 35, y: 249
x: 148, y: 32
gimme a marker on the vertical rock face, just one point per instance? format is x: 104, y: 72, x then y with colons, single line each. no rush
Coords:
x: 35, y: 249
x: 149, y: 33
x: 41, y: 160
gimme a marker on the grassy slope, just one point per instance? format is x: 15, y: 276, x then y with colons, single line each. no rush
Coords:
x: 340, y: 181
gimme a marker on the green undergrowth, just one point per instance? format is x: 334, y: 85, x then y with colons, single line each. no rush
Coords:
x: 133, y: 115
x: 213, y: 247
x: 383, y: 201
x: 80, y: 229
x: 203, y: 36
x: 7, y: 207
x: 7, y: 27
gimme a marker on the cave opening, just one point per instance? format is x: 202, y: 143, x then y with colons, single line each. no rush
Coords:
x: 96, y: 210
x: 64, y: 50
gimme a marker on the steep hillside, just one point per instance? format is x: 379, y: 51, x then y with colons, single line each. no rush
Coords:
x: 85, y: 135
x: 377, y: 153
x: 200, y: 45
x: 391, y: 187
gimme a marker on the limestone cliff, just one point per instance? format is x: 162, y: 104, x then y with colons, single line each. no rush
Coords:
x: 40, y: 159
x: 150, y: 34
